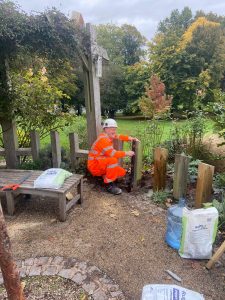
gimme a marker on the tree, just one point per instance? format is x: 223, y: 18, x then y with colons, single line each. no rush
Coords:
x: 183, y: 54
x: 8, y: 267
x: 113, y: 95
x: 155, y: 102
x: 132, y: 43
x: 124, y: 47
x: 50, y: 35
x: 124, y: 44
x: 136, y: 77
x: 36, y: 96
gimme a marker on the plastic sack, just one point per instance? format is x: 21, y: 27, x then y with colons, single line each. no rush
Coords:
x: 199, y: 229
x: 52, y: 178
x: 168, y: 292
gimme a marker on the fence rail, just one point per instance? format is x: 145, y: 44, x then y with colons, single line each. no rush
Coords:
x: 34, y: 150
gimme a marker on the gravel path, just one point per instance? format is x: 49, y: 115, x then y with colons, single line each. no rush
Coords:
x: 123, y: 236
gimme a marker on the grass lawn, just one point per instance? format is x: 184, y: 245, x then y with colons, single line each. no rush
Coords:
x: 126, y: 126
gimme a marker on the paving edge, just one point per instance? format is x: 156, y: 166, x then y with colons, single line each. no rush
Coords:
x: 90, y: 278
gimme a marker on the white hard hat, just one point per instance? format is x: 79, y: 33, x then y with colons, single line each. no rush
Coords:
x: 109, y: 123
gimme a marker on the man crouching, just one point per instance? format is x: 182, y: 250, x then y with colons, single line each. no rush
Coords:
x: 103, y: 158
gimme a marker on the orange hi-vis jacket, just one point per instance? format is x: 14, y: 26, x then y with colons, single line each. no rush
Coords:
x: 103, y: 158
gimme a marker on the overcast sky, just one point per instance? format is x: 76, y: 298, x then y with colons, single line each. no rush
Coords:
x: 144, y: 14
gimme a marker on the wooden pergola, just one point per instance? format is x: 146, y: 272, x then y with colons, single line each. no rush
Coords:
x: 92, y: 70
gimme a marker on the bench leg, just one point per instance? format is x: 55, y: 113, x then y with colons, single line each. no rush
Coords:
x: 62, y: 208
x: 10, y: 203
x: 80, y: 191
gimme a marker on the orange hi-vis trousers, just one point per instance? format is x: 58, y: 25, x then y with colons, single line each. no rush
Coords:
x: 108, y: 168
x: 103, y: 158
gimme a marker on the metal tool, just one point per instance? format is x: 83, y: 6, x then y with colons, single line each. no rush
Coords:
x: 14, y: 186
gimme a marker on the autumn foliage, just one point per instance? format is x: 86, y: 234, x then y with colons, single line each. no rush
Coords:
x: 155, y: 101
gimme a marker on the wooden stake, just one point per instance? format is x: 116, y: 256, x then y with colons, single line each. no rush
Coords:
x: 180, y: 176
x: 10, y: 141
x: 9, y: 270
x: 35, y: 144
x: 74, y: 148
x: 136, y: 164
x: 216, y: 256
x: 204, y: 184
x: 56, y: 149
x: 160, y: 161
x: 118, y: 145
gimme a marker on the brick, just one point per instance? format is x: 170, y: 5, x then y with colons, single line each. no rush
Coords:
x: 57, y: 260
x: 82, y: 266
x: 99, y: 295
x: 35, y: 271
x: 19, y: 263
x: 51, y: 270
x: 94, y: 271
x: 24, y: 271
x: 116, y: 294
x: 29, y: 262
x: 69, y: 263
x: 43, y: 261
x: 67, y: 273
x: 79, y: 278
x: 89, y: 288
x: 113, y: 287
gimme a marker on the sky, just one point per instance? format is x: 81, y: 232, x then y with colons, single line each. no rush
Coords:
x: 145, y: 15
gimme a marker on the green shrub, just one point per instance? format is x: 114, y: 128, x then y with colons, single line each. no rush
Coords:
x: 79, y: 126
x: 45, y: 160
x: 159, y: 197
x: 220, y: 206
x: 219, y: 181
x: 150, y: 136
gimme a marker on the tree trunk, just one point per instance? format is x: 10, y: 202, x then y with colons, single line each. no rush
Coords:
x: 9, y: 270
x: 5, y: 87
x: 112, y: 113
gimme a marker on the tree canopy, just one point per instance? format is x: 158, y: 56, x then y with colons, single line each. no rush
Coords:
x: 49, y: 35
x: 188, y: 53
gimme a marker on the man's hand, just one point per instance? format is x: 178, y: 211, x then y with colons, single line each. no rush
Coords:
x: 131, y: 139
x: 130, y: 153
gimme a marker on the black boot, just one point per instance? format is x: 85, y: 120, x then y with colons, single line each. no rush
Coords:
x: 113, y: 189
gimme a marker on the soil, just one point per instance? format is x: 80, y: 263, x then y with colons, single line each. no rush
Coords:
x: 122, y: 235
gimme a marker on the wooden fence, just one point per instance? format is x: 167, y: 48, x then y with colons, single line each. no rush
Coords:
x: 11, y: 152
x: 11, y: 155
x: 180, y: 180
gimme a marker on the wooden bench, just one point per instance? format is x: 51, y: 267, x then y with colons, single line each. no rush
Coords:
x: 75, y: 182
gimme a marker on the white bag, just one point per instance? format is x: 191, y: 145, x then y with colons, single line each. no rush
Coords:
x: 199, y: 229
x: 52, y: 178
x: 168, y: 292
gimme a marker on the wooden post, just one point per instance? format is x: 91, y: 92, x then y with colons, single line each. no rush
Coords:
x: 56, y: 149
x: 92, y: 92
x: 35, y: 144
x: 136, y: 163
x: 62, y: 207
x: 74, y: 148
x: 118, y: 145
x: 92, y: 70
x: 216, y: 256
x: 9, y: 270
x: 160, y: 161
x: 204, y: 184
x: 180, y: 179
x: 10, y: 141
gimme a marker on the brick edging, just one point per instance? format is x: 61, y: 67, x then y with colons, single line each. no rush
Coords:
x: 94, y: 281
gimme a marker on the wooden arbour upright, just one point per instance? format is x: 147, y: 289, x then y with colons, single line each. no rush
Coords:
x: 92, y: 69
